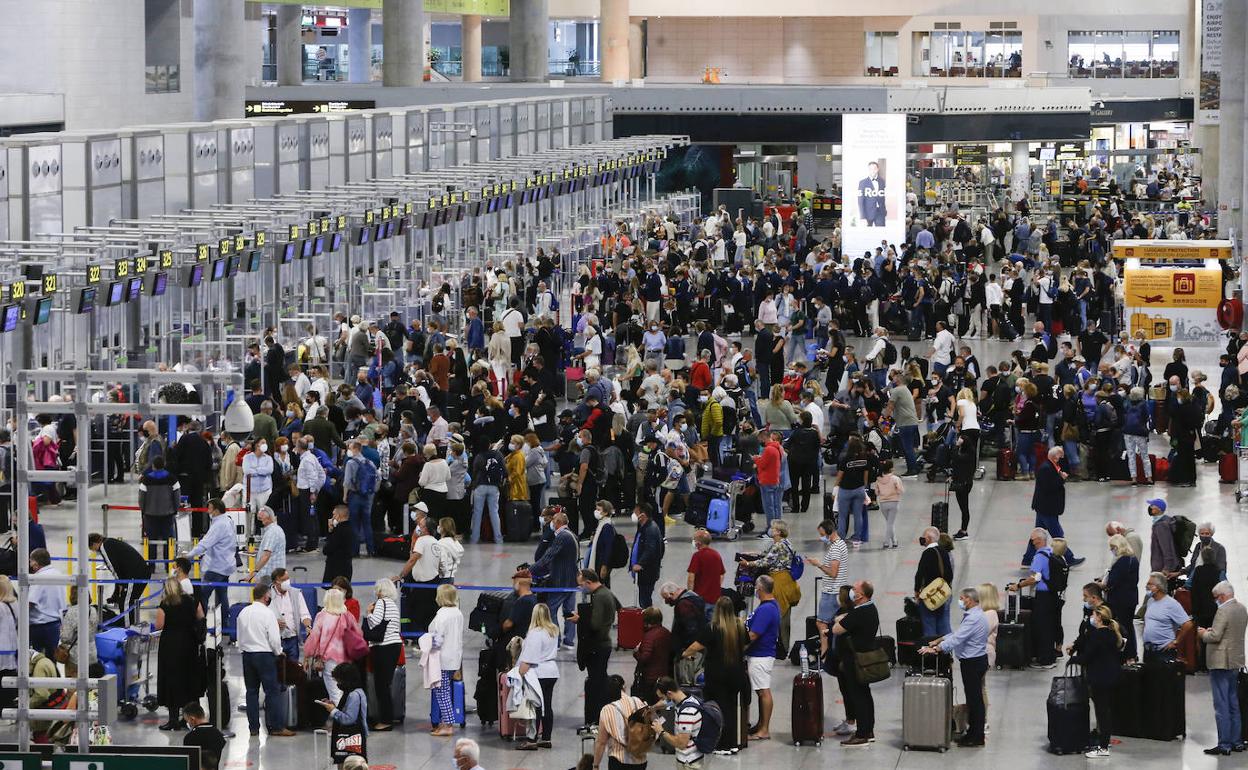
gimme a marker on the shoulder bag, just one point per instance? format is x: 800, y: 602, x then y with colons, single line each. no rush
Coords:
x: 936, y: 593
x: 871, y: 666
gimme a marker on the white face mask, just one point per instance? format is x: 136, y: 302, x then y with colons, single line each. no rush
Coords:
x: 853, y: 595
x: 262, y: 447
x: 284, y: 586
x: 633, y: 517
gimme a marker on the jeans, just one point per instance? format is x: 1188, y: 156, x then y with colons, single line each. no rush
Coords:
x: 827, y: 607
x: 772, y: 496
x: 260, y: 670
x: 909, y: 440
x: 221, y: 592
x: 973, y: 670
x: 483, y: 496
x: 852, y: 502
x: 1026, y: 450
x: 159, y: 528
x: 1072, y: 454
x: 1226, y: 706
x: 290, y: 648
x: 565, y: 600
x: 361, y: 508
x: 1054, y: 525
x: 935, y: 622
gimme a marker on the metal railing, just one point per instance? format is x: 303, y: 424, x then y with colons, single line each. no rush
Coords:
x: 574, y: 69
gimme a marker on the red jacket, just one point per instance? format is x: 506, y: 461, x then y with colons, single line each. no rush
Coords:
x: 700, y: 375
x: 767, y: 467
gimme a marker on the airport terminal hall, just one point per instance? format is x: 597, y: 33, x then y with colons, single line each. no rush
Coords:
x: 621, y: 385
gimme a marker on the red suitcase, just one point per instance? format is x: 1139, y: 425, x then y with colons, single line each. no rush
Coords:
x: 1228, y: 468
x: 1139, y: 469
x: 1186, y: 647
x: 1161, y: 468
x: 1007, y: 464
x: 508, y: 728
x: 628, y: 628
x: 807, y: 709
x: 1184, y: 598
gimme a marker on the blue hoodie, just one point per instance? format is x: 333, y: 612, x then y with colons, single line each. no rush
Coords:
x: 1137, y: 417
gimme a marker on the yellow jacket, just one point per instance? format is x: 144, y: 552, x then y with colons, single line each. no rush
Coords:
x: 517, y: 486
x: 712, y: 419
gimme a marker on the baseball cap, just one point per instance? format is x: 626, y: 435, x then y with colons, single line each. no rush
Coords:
x: 1157, y: 501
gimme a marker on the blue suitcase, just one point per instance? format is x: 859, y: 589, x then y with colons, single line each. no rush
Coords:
x: 718, y: 516
x: 457, y: 705
x: 231, y: 624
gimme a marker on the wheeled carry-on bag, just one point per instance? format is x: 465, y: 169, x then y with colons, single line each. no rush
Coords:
x: 807, y: 709
x: 1013, y: 637
x: 1069, y: 712
x: 926, y: 708
x: 1164, y: 704
x: 518, y: 525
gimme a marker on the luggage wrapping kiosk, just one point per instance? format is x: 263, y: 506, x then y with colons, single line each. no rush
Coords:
x: 1172, y: 289
x: 416, y: 126
x: 5, y: 180
x: 281, y: 155
x: 143, y: 173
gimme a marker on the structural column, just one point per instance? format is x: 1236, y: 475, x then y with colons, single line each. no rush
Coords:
x: 470, y: 46
x: 1231, y: 124
x: 1020, y: 173
x: 637, y: 48
x: 289, y: 45
x: 615, y: 39
x: 530, y: 38
x: 360, y: 44
x: 220, y: 73
x: 403, y: 41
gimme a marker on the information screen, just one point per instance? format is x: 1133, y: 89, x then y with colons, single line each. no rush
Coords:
x: 11, y: 314
x: 873, y: 158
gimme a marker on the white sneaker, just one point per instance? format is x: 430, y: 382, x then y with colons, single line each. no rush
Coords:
x: 1097, y: 753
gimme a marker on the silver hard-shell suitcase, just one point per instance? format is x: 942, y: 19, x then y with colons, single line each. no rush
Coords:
x: 926, y: 709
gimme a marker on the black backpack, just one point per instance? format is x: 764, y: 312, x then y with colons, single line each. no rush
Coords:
x: 890, y: 353
x: 1059, y: 574
x: 492, y: 474
x: 619, y: 552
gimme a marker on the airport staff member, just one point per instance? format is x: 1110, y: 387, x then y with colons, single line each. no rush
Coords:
x: 126, y: 563
x: 969, y: 644
x: 218, y: 549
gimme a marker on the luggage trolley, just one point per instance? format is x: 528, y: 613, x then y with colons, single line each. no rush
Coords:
x: 1241, y: 484
x: 127, y: 652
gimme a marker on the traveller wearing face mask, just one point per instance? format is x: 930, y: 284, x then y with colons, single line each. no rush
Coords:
x: 258, y: 475
x: 1102, y: 666
x: 1224, y: 656
x: 969, y: 644
x: 601, y: 551
x: 646, y: 556
x: 292, y: 613
x: 1186, y: 421
x: 359, y: 483
x: 1122, y: 589
x: 1162, y: 552
x: 1164, y: 619
x: 1204, y: 533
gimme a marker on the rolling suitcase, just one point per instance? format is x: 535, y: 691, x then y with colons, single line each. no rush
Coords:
x: 807, y: 707
x: 1127, y: 706
x: 940, y: 515
x: 482, y: 695
x: 909, y: 632
x: 1228, y: 468
x: 719, y: 517
x: 398, y: 694
x: 1069, y: 713
x: 1013, y: 637
x: 1184, y: 597
x: 390, y: 547
x: 628, y: 628
x: 926, y: 710
x: 1161, y: 469
x: 1188, y: 647
x: 1007, y: 464
x: 507, y: 726
x: 518, y: 525
x: 457, y: 706
x: 1164, y: 707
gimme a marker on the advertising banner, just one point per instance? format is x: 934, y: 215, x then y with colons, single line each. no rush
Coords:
x: 873, y: 174
x: 1175, y: 304
x: 1171, y: 250
x: 1209, y: 105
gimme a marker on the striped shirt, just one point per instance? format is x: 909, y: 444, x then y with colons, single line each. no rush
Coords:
x: 688, y: 721
x: 386, y: 609
x: 613, y: 720
x: 838, y: 551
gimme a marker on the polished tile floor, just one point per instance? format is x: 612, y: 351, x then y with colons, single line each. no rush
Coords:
x: 1000, y: 523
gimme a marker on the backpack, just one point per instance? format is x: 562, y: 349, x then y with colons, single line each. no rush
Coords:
x: 797, y: 567
x: 707, y: 739
x: 1184, y: 534
x: 640, y: 733
x: 656, y: 471
x: 365, y: 477
x: 595, y: 464
x: 890, y: 353
x: 619, y: 552
x: 1059, y: 573
x: 492, y: 476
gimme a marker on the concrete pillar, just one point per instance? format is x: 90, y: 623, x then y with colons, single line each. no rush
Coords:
x: 615, y: 35
x: 1020, y: 174
x: 470, y: 47
x: 220, y: 73
x: 360, y: 44
x: 529, y: 38
x: 1205, y: 138
x: 1231, y: 124
x: 289, y: 45
x: 403, y: 42
x: 253, y: 51
x: 637, y: 48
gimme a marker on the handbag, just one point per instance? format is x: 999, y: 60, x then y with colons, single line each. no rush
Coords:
x: 353, y: 644
x: 936, y: 593
x: 347, y: 740
x: 871, y: 666
x: 377, y: 633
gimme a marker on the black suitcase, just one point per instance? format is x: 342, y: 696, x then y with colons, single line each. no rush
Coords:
x: 519, y: 524
x: 1165, y: 709
x: 940, y: 515
x: 1127, y: 707
x: 487, y: 617
x: 1069, y: 714
x: 392, y: 547
x: 909, y: 632
x: 1014, y: 636
x: 944, y: 662
x: 486, y: 692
